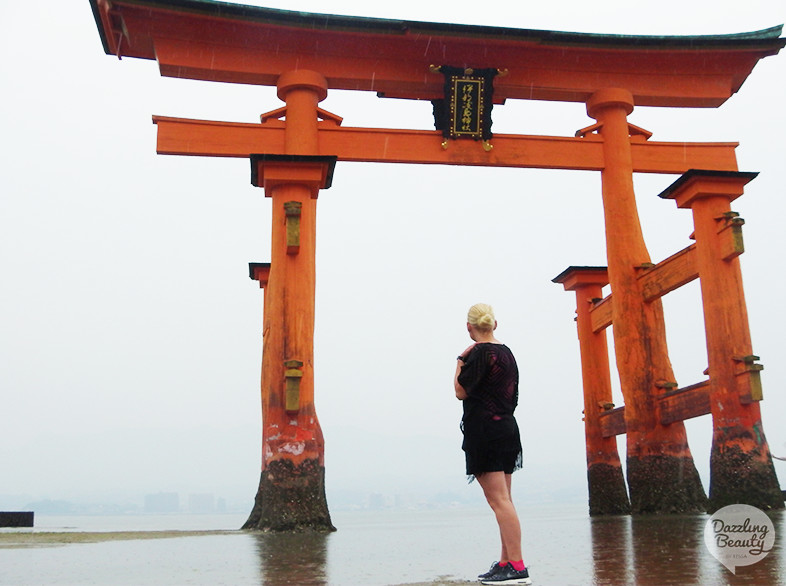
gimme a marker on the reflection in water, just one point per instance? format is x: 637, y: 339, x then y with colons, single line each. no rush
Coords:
x: 619, y: 551
x: 611, y: 550
x: 292, y: 558
x: 670, y: 549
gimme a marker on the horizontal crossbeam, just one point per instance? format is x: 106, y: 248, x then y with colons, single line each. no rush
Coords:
x: 656, y: 280
x: 180, y: 136
x: 669, y: 274
x: 677, y: 405
x: 600, y: 314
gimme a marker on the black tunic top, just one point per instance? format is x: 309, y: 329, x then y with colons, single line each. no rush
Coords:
x: 490, y: 377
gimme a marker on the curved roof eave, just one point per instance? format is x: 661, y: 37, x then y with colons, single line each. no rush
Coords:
x: 220, y: 41
x: 769, y: 37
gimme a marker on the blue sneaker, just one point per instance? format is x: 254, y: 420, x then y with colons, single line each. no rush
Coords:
x: 507, y: 574
x: 495, y: 567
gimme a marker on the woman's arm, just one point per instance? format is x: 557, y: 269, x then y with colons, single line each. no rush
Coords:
x: 461, y: 394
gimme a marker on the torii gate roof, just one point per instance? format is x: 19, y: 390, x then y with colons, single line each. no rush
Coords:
x: 217, y: 41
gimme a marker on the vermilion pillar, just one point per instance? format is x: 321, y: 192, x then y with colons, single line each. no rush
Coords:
x: 605, y: 481
x: 660, y: 470
x: 291, y: 493
x: 741, y: 464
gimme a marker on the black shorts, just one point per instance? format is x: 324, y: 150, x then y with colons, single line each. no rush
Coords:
x: 493, y: 447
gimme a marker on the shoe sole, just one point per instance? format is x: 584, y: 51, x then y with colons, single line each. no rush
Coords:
x: 512, y: 581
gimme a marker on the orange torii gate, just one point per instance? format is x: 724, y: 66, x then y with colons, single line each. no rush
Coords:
x: 293, y: 151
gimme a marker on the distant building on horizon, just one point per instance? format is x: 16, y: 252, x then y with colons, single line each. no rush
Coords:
x: 162, y: 502
x: 201, y: 503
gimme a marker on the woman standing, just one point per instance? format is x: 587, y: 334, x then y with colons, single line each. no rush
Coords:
x: 486, y: 381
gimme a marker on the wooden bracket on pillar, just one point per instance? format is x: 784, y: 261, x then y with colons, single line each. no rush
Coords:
x: 594, y: 129
x: 313, y: 171
x: 333, y: 119
x: 637, y: 131
x: 259, y: 271
x: 293, y: 373
x: 730, y: 235
x: 292, y: 210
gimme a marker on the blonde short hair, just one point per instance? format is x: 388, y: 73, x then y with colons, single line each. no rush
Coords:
x: 481, y: 315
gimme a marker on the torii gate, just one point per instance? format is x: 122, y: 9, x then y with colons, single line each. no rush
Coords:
x: 293, y: 151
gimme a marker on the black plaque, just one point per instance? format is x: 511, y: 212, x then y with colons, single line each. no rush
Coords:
x: 465, y: 111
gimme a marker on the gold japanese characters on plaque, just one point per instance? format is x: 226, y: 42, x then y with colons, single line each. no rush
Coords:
x: 465, y: 109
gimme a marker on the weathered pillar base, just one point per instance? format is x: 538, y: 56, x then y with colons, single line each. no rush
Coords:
x: 664, y: 485
x: 740, y: 476
x: 291, y: 498
x: 607, y: 494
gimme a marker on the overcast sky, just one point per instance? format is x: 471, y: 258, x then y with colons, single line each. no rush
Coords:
x: 130, y: 345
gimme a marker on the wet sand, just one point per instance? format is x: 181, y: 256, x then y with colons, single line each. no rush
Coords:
x: 14, y: 539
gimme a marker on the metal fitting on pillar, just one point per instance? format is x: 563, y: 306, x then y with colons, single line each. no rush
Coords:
x: 730, y: 235
x: 749, y: 371
x: 293, y: 373
x: 292, y: 211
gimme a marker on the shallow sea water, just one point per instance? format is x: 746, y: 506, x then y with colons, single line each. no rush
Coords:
x: 562, y: 546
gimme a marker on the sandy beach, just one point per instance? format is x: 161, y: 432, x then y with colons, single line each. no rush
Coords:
x: 17, y: 539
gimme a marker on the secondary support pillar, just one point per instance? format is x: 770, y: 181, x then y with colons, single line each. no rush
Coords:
x: 605, y: 481
x: 662, y: 477
x: 291, y: 494
x: 741, y: 469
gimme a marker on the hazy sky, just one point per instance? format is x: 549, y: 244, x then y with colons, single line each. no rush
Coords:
x: 130, y: 344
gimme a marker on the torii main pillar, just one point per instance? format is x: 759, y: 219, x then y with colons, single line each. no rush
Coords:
x: 660, y: 470
x: 291, y: 494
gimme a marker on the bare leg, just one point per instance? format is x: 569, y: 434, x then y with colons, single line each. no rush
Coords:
x: 503, y: 558
x: 496, y: 488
